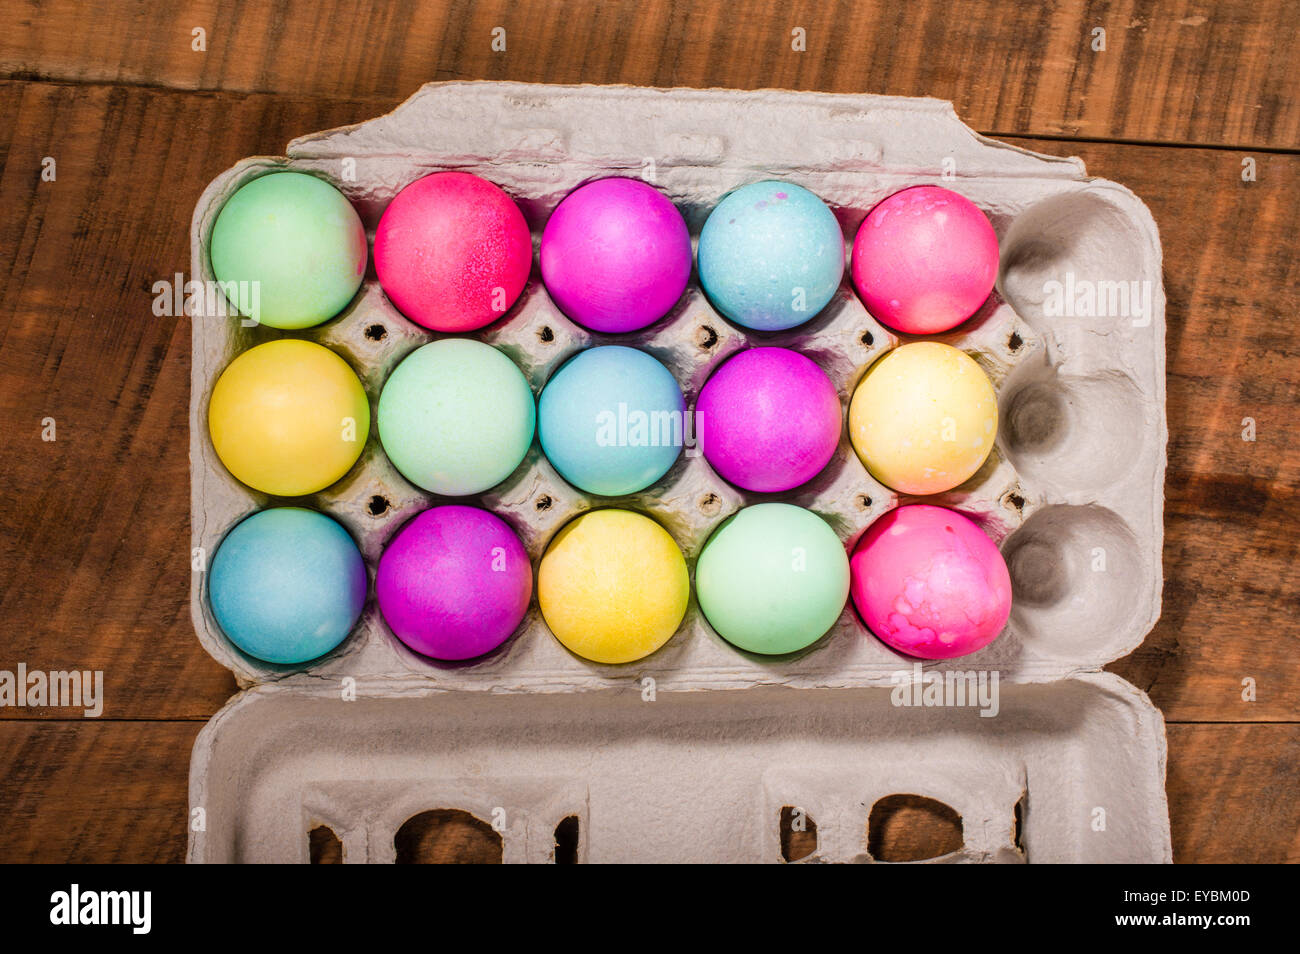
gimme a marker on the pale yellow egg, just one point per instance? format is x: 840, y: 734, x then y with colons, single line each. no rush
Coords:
x: 288, y: 417
x: 613, y: 586
x: 923, y: 418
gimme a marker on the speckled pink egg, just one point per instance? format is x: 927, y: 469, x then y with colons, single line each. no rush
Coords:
x: 616, y: 255
x: 924, y: 260
x: 453, y: 252
x: 930, y: 583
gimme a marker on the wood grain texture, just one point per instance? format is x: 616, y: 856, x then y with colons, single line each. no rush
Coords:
x: 1232, y: 793
x: 95, y: 548
x: 116, y: 791
x: 94, y: 527
x: 1172, y: 70
x: 906, y: 827
x: 447, y: 836
x: 94, y: 791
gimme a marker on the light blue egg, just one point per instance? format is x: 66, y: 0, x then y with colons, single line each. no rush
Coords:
x: 771, y: 255
x: 612, y: 420
x: 287, y: 585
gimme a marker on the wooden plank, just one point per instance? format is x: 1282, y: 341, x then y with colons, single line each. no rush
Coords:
x: 1171, y: 70
x: 94, y: 791
x: 96, y: 541
x: 116, y: 791
x: 1232, y: 793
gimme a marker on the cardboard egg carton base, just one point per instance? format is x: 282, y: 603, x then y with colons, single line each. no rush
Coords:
x: 1072, y: 493
x: 688, y: 777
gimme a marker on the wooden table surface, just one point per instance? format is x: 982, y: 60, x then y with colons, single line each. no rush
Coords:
x: 94, y: 528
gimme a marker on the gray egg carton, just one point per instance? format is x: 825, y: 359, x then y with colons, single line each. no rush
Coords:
x: 1072, y: 492
x: 693, y: 776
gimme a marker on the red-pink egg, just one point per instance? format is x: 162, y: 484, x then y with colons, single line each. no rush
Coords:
x: 924, y: 260
x: 453, y: 252
x: 929, y: 582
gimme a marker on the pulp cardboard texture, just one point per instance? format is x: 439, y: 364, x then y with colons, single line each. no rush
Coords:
x: 1072, y: 493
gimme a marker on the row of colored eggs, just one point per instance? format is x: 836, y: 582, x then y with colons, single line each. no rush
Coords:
x: 456, y: 417
x: 288, y: 584
x: 453, y: 253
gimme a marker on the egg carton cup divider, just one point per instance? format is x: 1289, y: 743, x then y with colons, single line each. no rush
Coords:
x: 1072, y: 492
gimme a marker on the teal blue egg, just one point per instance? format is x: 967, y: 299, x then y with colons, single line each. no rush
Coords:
x: 771, y: 255
x: 287, y: 585
x: 612, y: 420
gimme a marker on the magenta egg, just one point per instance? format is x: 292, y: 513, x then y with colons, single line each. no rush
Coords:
x: 454, y: 583
x: 768, y: 420
x: 924, y: 260
x: 929, y: 582
x: 615, y: 255
x: 453, y: 252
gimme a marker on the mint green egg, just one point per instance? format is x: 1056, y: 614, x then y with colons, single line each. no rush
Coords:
x: 456, y: 417
x: 772, y: 579
x: 289, y: 250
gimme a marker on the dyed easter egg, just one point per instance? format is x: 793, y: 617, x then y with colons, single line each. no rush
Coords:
x: 771, y: 255
x: 454, y: 583
x: 611, y: 420
x: 288, y: 417
x: 924, y: 260
x: 453, y: 252
x: 287, y: 585
x: 613, y: 586
x: 768, y: 420
x: 930, y: 583
x: 772, y: 579
x: 616, y: 255
x: 291, y: 248
x: 923, y: 418
x: 456, y: 417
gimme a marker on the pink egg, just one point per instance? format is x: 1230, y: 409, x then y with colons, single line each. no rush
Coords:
x: 453, y: 252
x: 930, y: 583
x: 616, y: 255
x: 924, y: 260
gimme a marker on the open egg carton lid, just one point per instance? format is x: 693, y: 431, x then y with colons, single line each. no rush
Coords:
x: 1067, y: 772
x: 1072, y: 339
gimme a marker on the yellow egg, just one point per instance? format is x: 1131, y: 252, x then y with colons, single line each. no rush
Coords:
x: 923, y: 418
x: 613, y: 586
x: 288, y: 417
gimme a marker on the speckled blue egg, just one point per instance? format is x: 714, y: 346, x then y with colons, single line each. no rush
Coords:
x: 611, y: 420
x: 287, y: 585
x: 771, y: 255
